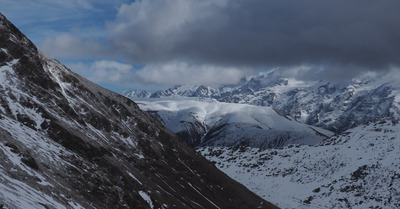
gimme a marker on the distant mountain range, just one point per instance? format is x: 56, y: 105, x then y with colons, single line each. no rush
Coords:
x: 329, y: 105
x: 336, y: 107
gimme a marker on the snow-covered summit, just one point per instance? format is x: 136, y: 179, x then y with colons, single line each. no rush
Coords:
x: 204, y: 122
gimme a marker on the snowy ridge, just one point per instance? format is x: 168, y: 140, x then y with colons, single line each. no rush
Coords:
x: 334, y: 106
x: 205, y: 122
x: 357, y: 169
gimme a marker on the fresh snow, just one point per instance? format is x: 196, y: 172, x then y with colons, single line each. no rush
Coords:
x: 203, y: 195
x: 17, y: 194
x: 4, y: 70
x: 256, y: 125
x: 147, y: 198
x: 357, y: 169
x: 134, y: 177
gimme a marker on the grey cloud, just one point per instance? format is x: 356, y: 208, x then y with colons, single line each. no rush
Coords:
x: 361, y: 33
x: 333, y: 72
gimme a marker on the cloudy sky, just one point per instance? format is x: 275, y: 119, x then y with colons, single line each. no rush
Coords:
x: 151, y: 44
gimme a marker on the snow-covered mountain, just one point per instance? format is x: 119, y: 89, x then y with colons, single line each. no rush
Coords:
x: 207, y: 122
x: 332, y: 106
x: 357, y: 169
x: 68, y: 143
x: 136, y: 94
x: 336, y: 106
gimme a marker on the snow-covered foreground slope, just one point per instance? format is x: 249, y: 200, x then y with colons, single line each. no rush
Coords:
x: 209, y: 122
x: 68, y: 143
x: 357, y: 169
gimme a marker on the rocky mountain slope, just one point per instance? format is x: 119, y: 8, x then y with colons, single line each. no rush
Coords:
x: 357, y: 169
x: 335, y: 106
x: 68, y: 143
x: 208, y: 122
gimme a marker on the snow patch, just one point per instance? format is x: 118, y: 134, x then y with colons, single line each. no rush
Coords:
x: 17, y: 194
x: 147, y: 198
x: 203, y: 195
x: 134, y: 177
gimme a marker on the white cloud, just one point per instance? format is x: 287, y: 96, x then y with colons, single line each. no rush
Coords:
x: 105, y: 71
x: 177, y: 72
x: 120, y: 76
x: 307, y: 72
x: 111, y: 71
x: 68, y: 46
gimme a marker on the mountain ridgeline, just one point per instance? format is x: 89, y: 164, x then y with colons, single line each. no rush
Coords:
x: 322, y: 105
x: 68, y: 143
x: 335, y: 106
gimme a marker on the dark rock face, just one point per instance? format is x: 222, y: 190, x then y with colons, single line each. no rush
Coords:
x: 66, y: 142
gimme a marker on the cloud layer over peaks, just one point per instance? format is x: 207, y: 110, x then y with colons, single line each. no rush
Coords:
x: 175, y: 72
x: 168, y: 42
x: 261, y: 33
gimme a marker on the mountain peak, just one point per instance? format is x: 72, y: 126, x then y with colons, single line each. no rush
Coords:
x: 12, y: 38
x: 17, y: 48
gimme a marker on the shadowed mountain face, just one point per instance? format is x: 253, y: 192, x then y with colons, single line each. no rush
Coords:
x: 68, y: 143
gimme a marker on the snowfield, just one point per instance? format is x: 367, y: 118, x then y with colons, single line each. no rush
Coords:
x: 203, y: 122
x: 357, y: 169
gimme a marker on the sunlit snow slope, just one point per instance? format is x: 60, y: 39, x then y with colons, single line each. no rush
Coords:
x: 357, y: 169
x: 205, y: 122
